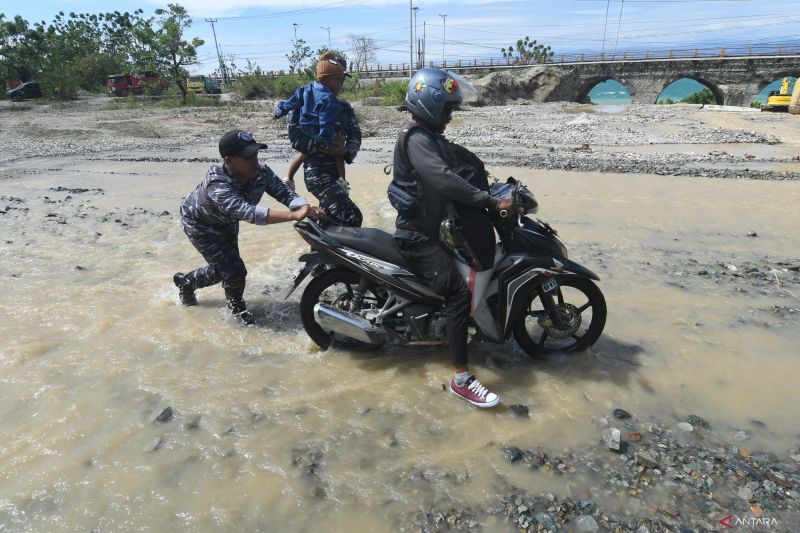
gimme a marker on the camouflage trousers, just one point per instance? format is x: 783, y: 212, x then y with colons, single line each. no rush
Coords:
x: 219, y: 246
x: 320, y: 179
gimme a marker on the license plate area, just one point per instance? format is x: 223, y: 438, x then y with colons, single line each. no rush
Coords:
x: 550, y: 285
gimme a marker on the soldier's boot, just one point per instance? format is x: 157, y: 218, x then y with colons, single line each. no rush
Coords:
x: 185, y: 289
x: 237, y: 307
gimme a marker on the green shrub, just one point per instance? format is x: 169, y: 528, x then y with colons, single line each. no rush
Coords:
x: 391, y: 93
x: 700, y: 97
x: 284, y: 86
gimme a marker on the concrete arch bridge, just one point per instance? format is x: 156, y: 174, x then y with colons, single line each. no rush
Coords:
x: 733, y: 81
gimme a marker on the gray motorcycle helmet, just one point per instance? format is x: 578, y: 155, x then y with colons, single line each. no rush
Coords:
x: 431, y: 88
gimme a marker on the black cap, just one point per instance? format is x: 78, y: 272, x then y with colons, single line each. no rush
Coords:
x: 343, y: 62
x: 239, y: 143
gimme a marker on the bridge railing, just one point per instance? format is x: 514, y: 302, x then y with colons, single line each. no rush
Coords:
x: 401, y: 69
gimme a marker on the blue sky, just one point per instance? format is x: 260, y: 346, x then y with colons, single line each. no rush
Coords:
x: 261, y: 31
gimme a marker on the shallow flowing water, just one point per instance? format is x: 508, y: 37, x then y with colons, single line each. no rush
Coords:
x: 270, y: 433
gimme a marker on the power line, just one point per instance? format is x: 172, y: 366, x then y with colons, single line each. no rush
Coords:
x: 619, y: 23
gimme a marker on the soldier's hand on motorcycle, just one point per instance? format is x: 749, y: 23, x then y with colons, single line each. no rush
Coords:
x: 316, y: 213
x: 301, y: 212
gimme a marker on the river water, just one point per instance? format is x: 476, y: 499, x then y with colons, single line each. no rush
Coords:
x: 271, y: 434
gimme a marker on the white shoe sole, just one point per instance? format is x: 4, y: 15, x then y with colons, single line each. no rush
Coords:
x: 484, y: 405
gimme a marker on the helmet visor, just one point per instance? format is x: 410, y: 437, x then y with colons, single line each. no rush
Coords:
x: 466, y: 89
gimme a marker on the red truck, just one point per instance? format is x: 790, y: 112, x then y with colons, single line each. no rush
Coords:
x: 125, y: 84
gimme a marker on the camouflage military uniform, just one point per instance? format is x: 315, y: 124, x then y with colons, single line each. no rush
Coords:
x: 210, y: 217
x: 319, y: 170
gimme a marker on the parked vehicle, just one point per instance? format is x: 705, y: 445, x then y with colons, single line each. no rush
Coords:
x: 363, y: 293
x: 779, y: 100
x: 203, y: 84
x: 29, y: 89
x: 212, y: 86
x: 125, y: 84
x: 153, y: 83
x: 195, y: 84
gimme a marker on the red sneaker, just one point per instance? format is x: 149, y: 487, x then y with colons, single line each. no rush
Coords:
x: 474, y: 393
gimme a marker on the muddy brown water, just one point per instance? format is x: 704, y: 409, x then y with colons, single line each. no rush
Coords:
x: 270, y: 433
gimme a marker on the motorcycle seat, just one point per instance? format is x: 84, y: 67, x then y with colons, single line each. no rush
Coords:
x: 371, y: 241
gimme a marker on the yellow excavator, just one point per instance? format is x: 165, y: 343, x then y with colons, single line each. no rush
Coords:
x: 780, y: 100
x: 794, y: 107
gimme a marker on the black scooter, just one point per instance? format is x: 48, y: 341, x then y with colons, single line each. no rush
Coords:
x: 363, y: 293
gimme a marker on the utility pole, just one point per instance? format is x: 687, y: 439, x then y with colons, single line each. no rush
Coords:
x: 444, y: 33
x: 603, y: 50
x: 222, y: 69
x: 424, y: 42
x: 410, y: 38
x: 328, y: 29
x: 416, y: 40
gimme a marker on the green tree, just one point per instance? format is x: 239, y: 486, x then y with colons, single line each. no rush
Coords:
x: 704, y: 96
x: 19, y: 43
x: 172, y: 51
x: 297, y: 57
x: 527, y: 51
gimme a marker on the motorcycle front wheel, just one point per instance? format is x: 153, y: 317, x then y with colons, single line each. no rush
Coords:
x: 335, y: 288
x: 583, y: 313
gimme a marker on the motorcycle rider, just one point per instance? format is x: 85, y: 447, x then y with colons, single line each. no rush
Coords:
x: 428, y: 166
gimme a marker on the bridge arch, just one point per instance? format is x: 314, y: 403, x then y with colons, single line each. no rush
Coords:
x: 715, y: 90
x: 588, y: 85
x: 777, y: 76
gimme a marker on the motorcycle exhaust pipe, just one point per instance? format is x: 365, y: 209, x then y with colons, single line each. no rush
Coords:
x: 338, y: 321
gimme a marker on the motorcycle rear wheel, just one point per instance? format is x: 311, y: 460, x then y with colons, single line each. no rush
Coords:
x: 333, y: 287
x: 582, y: 307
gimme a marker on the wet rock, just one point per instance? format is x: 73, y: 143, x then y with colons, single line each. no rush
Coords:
x: 611, y: 438
x: 621, y: 414
x: 546, y: 520
x: 193, y: 423
x: 586, y: 524
x: 308, y: 460
x: 698, y: 421
x: 654, y: 429
x: 519, y: 410
x: 685, y: 426
x: 646, y: 459
x: 153, y: 445
x: 745, y: 494
x: 741, y: 436
x: 633, y: 437
x: 166, y: 416
x: 512, y: 454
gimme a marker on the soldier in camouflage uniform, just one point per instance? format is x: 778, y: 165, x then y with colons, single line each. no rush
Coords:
x: 210, y: 217
x: 319, y: 169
